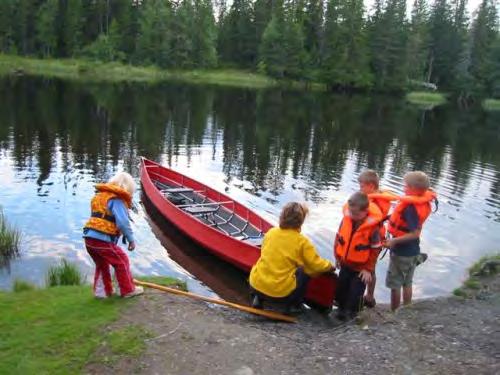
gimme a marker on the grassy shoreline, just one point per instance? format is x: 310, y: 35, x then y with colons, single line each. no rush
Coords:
x: 426, y: 98
x: 60, y: 330
x: 90, y: 71
x: 491, y: 104
x: 93, y: 71
x: 485, y: 267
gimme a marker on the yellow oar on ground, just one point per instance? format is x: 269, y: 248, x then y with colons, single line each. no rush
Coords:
x: 267, y: 314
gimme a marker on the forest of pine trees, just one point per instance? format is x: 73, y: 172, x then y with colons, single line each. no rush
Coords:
x: 337, y: 42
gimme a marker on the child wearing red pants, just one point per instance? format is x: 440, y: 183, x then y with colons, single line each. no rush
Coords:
x: 109, y: 219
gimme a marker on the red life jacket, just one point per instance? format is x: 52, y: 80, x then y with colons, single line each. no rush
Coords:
x: 353, y: 247
x: 422, y: 204
x: 102, y: 219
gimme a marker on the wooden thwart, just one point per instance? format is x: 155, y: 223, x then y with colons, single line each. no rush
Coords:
x: 268, y: 314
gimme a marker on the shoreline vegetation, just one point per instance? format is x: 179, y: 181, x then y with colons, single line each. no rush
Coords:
x: 60, y: 329
x: 426, y: 98
x: 491, y: 104
x: 92, y: 71
x: 82, y: 70
x: 10, y: 238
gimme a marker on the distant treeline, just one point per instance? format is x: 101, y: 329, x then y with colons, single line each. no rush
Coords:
x: 332, y: 41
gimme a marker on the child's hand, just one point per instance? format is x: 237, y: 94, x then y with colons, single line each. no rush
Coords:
x: 390, y: 243
x: 131, y: 246
x: 365, y: 276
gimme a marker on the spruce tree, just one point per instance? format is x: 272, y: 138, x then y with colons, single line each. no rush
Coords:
x: 7, y: 42
x: 204, y: 35
x: 153, y: 41
x: 46, y: 27
x: 344, y: 62
x: 484, y: 34
x: 237, y: 38
x: 73, y: 27
x: 418, y: 48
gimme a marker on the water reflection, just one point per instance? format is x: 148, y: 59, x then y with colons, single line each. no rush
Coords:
x: 263, y: 147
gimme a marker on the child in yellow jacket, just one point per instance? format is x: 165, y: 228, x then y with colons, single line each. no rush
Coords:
x: 287, y: 261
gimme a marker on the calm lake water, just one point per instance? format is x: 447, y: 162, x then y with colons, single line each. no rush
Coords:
x: 264, y: 148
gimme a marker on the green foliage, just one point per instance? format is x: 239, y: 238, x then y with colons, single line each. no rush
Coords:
x: 22, y: 286
x: 55, y: 330
x: 484, y: 36
x: 47, y: 28
x: 423, y: 97
x: 10, y: 239
x: 103, y: 50
x: 345, y: 48
x: 345, y: 63
x: 127, y: 341
x: 491, y: 104
x: 64, y: 274
x: 237, y: 37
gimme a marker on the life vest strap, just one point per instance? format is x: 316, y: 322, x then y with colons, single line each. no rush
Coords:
x: 362, y: 247
x: 101, y: 215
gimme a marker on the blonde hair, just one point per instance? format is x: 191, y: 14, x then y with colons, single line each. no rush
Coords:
x: 293, y: 215
x: 358, y: 200
x: 417, y: 180
x: 369, y: 176
x: 123, y: 180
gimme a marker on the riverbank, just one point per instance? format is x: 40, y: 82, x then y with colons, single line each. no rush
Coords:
x: 444, y: 335
x: 60, y: 329
x: 92, y: 71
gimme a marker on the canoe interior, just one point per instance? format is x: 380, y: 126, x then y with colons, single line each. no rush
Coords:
x: 218, y: 214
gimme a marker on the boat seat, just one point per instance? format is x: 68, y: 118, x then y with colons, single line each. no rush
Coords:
x: 201, y: 210
x: 177, y: 190
x: 256, y: 241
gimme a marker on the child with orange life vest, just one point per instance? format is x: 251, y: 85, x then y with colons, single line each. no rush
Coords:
x: 369, y: 184
x: 356, y: 248
x: 405, y: 225
x: 109, y: 219
x: 287, y: 261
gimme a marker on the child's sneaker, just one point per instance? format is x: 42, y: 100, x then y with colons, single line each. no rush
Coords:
x: 421, y: 258
x: 136, y: 292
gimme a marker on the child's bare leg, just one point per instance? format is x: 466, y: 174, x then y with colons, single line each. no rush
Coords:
x: 407, y: 294
x: 395, y: 298
x: 370, y: 288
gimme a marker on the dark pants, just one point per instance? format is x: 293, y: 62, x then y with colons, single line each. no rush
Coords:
x: 294, y: 298
x: 350, y: 290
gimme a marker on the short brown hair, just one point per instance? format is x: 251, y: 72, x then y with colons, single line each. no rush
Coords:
x: 369, y: 176
x: 293, y: 215
x: 417, y: 180
x: 358, y: 200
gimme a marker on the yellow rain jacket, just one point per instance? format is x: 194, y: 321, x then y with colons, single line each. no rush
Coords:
x: 283, y: 250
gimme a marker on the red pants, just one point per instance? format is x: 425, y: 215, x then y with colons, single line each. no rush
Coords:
x: 105, y: 254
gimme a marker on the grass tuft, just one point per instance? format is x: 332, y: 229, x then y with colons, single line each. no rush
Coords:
x: 22, y: 286
x: 10, y: 239
x: 64, y: 274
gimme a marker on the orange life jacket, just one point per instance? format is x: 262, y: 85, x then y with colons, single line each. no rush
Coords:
x: 422, y: 203
x: 383, y: 200
x: 102, y: 219
x: 353, y: 247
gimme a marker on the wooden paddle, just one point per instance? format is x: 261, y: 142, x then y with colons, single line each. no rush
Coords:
x: 268, y: 314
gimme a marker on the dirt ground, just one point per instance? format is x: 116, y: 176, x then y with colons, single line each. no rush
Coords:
x: 439, y: 336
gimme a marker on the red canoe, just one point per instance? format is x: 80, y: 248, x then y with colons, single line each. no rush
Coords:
x: 217, y: 222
